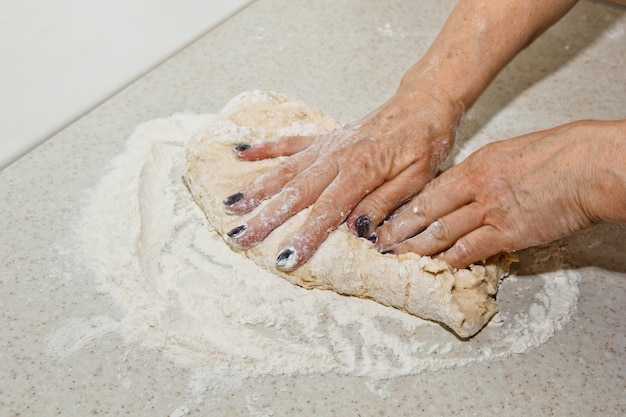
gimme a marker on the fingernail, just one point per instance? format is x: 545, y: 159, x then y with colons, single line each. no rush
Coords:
x: 286, y: 259
x: 373, y: 238
x: 237, y: 231
x: 241, y: 148
x: 363, y: 224
x: 389, y: 252
x: 233, y: 199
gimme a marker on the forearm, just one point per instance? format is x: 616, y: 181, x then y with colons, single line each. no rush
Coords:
x: 479, y: 38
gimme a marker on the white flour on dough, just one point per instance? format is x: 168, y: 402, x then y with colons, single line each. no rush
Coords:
x: 185, y: 293
x: 462, y: 300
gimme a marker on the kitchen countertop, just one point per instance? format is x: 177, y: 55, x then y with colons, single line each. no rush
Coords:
x: 344, y: 58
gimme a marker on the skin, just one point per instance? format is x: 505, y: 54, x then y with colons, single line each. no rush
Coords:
x: 364, y: 171
x: 517, y: 193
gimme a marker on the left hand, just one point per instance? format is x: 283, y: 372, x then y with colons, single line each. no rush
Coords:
x: 364, y: 170
x: 513, y: 194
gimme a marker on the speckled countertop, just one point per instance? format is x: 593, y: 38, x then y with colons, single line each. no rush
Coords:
x: 344, y: 57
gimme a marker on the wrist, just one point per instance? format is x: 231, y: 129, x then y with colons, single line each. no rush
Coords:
x: 428, y: 85
x: 604, y: 190
x: 433, y: 117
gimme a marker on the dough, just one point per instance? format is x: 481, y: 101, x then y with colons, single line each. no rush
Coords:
x: 462, y: 300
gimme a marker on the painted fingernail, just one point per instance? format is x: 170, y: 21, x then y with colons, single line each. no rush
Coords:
x: 363, y: 224
x: 237, y: 231
x: 287, y: 259
x: 373, y: 238
x: 389, y: 252
x: 233, y: 199
x: 241, y: 148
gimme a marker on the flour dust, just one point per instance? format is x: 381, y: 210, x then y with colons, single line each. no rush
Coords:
x: 185, y: 293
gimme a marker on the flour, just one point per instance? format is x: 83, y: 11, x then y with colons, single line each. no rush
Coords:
x: 185, y: 293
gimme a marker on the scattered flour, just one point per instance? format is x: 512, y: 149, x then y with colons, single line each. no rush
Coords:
x: 185, y: 293
x: 180, y: 411
x: 386, y: 29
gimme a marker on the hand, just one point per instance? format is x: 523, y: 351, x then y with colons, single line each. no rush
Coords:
x: 370, y: 167
x: 514, y: 194
x: 364, y: 170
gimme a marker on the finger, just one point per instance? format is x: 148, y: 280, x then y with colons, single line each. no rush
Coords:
x: 443, y: 233
x: 328, y: 212
x: 377, y: 205
x: 439, y: 198
x: 474, y: 247
x: 298, y: 194
x: 268, y: 184
x: 284, y: 146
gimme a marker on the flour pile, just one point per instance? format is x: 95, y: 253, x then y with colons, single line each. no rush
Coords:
x: 188, y: 295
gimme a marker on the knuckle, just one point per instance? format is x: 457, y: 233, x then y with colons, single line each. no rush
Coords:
x: 292, y: 144
x: 500, y: 219
x: 376, y: 207
x: 438, y: 230
x: 329, y: 209
x: 420, y: 206
x: 289, y: 169
x: 324, y: 208
x: 387, y: 236
x: 459, y: 254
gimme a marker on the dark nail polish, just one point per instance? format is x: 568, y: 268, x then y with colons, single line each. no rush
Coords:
x: 233, y: 199
x: 286, y: 259
x: 389, y: 252
x: 363, y: 224
x: 237, y: 231
x: 241, y: 148
x: 284, y: 255
x: 373, y: 238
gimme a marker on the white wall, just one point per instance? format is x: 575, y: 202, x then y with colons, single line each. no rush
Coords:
x: 59, y: 59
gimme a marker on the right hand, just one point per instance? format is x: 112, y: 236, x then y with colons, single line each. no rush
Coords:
x: 516, y: 193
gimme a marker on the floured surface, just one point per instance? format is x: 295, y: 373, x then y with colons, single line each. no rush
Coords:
x: 186, y: 294
x: 120, y: 352
x: 462, y: 300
